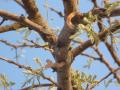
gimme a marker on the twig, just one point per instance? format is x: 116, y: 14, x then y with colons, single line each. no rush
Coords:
x: 90, y: 56
x: 33, y: 45
x: 49, y: 79
x: 103, y: 59
x: 113, y: 53
x: 28, y: 68
x: 41, y: 46
x: 17, y: 46
x: 14, y: 63
x: 102, y: 79
x: 3, y: 20
x: 38, y: 85
x: 110, y: 47
x: 20, y: 3
x: 54, y: 10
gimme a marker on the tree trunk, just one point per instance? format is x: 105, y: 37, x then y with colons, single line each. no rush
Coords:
x: 64, y: 78
x: 64, y: 73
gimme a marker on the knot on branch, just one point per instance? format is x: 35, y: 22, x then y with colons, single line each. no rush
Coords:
x: 74, y: 19
x: 22, y: 17
x: 54, y: 66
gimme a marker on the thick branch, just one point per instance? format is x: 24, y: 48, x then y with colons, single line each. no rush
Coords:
x: 102, y: 12
x: 69, y: 29
x: 31, y: 8
x: 36, y: 17
x: 70, y: 6
x: 22, y: 19
x: 71, y: 16
x: 12, y: 27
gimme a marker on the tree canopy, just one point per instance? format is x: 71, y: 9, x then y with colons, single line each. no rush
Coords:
x: 59, y: 44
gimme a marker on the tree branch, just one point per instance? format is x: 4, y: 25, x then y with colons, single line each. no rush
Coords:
x: 109, y: 47
x: 14, y: 63
x: 102, y: 79
x: 25, y: 44
x: 103, y: 59
x: 113, y: 53
x: 70, y: 6
x: 12, y: 27
x: 71, y: 16
x: 90, y: 56
x: 19, y: 3
x: 56, y: 11
x: 28, y: 68
x: 89, y: 43
x: 24, y: 20
x: 38, y: 85
x: 102, y: 12
x: 36, y: 17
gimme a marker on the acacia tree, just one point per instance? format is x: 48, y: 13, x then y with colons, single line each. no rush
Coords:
x: 65, y: 46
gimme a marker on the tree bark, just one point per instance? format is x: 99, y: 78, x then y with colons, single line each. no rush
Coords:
x: 64, y: 78
x: 63, y: 54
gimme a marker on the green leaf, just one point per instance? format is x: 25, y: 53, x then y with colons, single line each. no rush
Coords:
x: 80, y: 78
x: 4, y: 82
x: 38, y: 61
x: 89, y: 63
x: 108, y: 83
x: 11, y: 83
x: 22, y: 29
x: 27, y: 33
x: 74, y: 36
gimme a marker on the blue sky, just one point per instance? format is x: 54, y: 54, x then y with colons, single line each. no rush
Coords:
x: 28, y: 54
